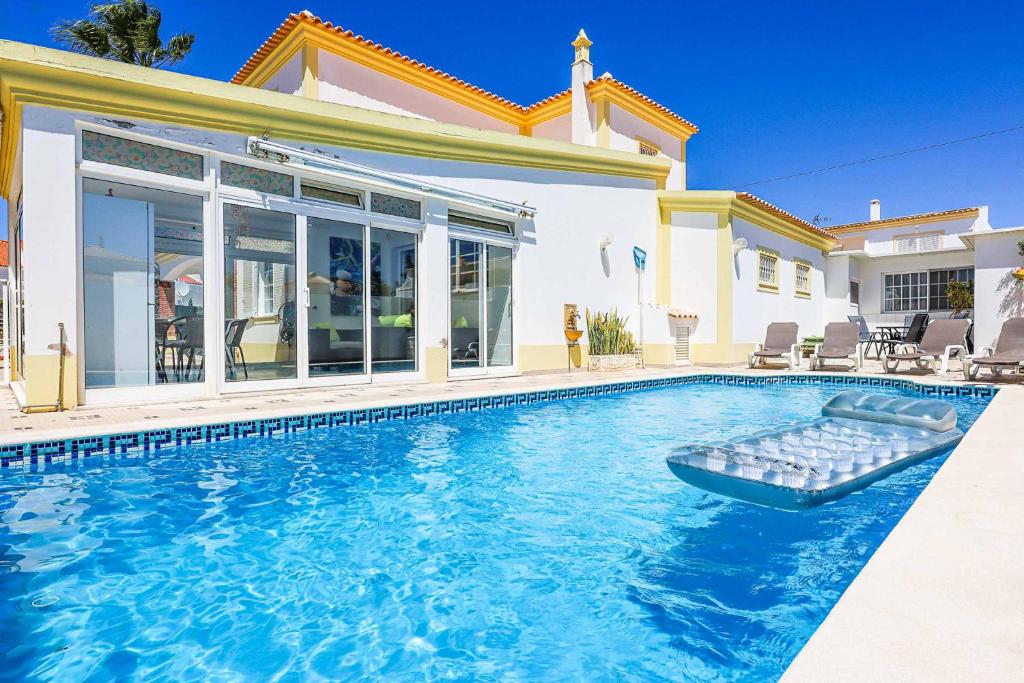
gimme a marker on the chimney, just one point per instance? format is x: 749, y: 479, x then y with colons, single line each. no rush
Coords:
x: 582, y: 73
x: 876, y: 210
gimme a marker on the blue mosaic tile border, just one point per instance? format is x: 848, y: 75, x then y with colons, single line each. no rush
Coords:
x: 44, y: 452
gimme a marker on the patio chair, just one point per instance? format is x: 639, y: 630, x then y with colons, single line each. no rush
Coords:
x: 866, y: 337
x: 1007, y: 355
x: 842, y: 342
x: 942, y: 340
x: 233, y: 345
x: 915, y: 332
x: 779, y: 342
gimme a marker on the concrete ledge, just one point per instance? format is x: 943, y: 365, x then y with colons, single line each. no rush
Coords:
x: 942, y: 599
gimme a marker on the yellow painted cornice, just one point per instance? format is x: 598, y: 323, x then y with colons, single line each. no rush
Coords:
x: 918, y: 219
x: 31, y: 75
x: 603, y: 91
x: 315, y: 36
x: 725, y: 202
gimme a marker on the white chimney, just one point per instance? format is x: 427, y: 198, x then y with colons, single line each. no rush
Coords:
x: 876, y: 210
x: 582, y: 73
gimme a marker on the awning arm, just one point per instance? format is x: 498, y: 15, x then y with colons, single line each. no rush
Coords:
x: 352, y: 172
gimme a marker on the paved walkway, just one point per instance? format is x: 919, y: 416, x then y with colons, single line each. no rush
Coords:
x: 941, y: 599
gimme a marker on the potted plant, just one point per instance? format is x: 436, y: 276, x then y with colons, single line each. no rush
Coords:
x: 961, y: 297
x: 1019, y: 273
x: 611, y: 346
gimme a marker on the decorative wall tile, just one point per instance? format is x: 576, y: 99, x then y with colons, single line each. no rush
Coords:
x: 108, y: 149
x: 119, y: 445
x: 394, y: 206
x: 257, y: 179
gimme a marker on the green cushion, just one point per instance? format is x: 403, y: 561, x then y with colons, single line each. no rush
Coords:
x: 461, y: 323
x: 403, y: 320
x: 387, y: 320
x: 327, y: 326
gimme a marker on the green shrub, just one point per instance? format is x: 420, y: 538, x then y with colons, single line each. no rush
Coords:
x: 960, y: 295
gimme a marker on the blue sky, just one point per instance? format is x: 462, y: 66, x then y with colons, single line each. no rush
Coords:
x: 777, y: 88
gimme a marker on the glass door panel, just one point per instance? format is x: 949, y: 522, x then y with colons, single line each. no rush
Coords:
x: 336, y: 297
x: 260, y: 332
x: 465, y: 304
x: 392, y: 300
x: 499, y: 306
x: 142, y: 259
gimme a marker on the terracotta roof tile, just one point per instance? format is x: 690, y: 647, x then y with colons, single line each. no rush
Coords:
x: 4, y: 256
x: 305, y: 17
x: 754, y: 200
x: 930, y: 216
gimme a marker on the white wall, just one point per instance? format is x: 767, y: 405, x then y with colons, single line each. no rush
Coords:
x: 880, y: 242
x: 288, y: 78
x: 997, y: 294
x: 346, y: 82
x: 625, y: 128
x: 872, y: 270
x: 753, y: 309
x: 694, y: 271
x: 558, y: 128
x: 557, y: 261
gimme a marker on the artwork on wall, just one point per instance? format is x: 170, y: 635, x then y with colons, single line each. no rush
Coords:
x: 346, y: 276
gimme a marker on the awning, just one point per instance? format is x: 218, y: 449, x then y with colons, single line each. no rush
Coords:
x: 357, y: 173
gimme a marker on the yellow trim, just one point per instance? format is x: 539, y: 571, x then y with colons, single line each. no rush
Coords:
x: 41, y: 375
x: 724, y: 201
x: 406, y: 71
x: 938, y: 217
x: 310, y: 72
x: 31, y: 75
x: 663, y: 261
x: 536, y: 357
x: 659, y: 354
x: 797, y: 291
x: 644, y: 142
x: 765, y: 285
x: 724, y: 280
x: 604, y: 133
x: 682, y: 164
x: 437, y: 364
x: 605, y: 92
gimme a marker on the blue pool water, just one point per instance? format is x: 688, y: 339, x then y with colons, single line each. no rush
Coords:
x: 540, y: 542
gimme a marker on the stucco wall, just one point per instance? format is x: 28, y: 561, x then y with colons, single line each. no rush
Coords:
x: 288, y: 78
x: 753, y: 309
x: 625, y: 128
x: 558, y: 128
x: 557, y: 261
x: 879, y: 242
x: 997, y: 294
x: 694, y: 271
x: 346, y: 82
x: 872, y: 270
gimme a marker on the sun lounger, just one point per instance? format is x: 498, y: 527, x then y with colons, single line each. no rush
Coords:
x: 842, y: 342
x: 1007, y: 355
x: 779, y: 342
x: 941, y: 341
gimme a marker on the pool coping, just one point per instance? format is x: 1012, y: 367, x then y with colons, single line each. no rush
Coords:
x: 62, y: 448
x: 942, y: 598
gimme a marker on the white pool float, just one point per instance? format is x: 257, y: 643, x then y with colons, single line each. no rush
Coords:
x: 859, y: 439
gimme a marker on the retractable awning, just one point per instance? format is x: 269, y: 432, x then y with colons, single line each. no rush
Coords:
x: 356, y: 173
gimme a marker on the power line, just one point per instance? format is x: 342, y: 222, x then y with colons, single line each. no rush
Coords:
x: 883, y: 156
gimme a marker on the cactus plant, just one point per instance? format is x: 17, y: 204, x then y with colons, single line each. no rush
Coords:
x: 607, y: 334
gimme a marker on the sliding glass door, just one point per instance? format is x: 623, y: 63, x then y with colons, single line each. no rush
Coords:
x: 480, y: 306
x: 142, y: 263
x: 336, y: 297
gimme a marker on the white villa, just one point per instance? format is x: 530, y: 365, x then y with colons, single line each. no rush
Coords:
x: 340, y: 213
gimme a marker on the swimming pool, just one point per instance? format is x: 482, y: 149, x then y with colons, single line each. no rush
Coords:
x: 541, y: 541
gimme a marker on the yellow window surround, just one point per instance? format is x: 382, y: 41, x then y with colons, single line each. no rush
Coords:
x: 802, y: 289
x: 767, y: 270
x: 646, y: 147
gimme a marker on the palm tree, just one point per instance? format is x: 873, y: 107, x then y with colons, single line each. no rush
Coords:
x: 124, y: 31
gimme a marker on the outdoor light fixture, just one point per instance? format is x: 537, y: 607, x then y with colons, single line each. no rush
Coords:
x: 738, y: 245
x: 605, y: 242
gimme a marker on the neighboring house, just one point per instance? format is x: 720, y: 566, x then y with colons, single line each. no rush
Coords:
x: 890, y: 268
x: 341, y: 213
